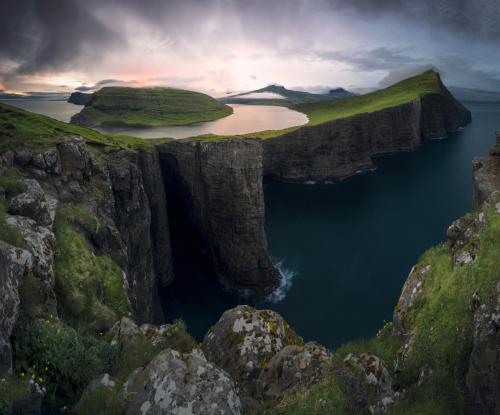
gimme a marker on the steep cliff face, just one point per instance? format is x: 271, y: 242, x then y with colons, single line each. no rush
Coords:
x: 216, y: 189
x: 485, y: 178
x: 337, y: 149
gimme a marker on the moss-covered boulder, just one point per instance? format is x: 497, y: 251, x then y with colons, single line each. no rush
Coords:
x: 244, y: 340
x: 175, y: 383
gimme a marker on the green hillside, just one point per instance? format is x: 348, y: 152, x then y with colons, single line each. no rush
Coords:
x: 24, y: 129
x: 149, y: 107
x: 397, y: 94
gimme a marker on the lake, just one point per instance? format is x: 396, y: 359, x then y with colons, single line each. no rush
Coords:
x: 245, y: 119
x: 346, y: 248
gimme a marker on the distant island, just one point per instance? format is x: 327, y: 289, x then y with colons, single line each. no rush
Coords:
x: 149, y: 107
x: 279, y: 95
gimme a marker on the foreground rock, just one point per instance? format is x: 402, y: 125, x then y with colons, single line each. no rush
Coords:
x: 14, y: 263
x: 483, y: 376
x: 176, y: 384
x: 248, y: 339
x: 294, y: 368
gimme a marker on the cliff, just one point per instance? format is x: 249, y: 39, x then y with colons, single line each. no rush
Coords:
x: 336, y: 149
x: 79, y: 98
x: 199, y: 177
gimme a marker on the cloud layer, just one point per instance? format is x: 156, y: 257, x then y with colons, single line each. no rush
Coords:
x: 229, y: 45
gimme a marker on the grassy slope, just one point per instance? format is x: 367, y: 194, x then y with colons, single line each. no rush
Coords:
x: 151, y: 107
x: 397, y: 94
x: 24, y: 129
x: 442, y: 324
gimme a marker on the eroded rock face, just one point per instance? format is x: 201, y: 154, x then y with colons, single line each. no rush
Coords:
x: 294, y: 368
x: 176, y: 384
x: 32, y: 204
x: 14, y: 263
x: 216, y: 188
x: 409, y: 295
x: 377, y: 376
x: 486, y: 178
x: 483, y: 376
x: 245, y: 339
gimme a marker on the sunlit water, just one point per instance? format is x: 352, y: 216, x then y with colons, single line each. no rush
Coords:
x: 346, y: 248
x: 60, y: 110
x: 245, y: 119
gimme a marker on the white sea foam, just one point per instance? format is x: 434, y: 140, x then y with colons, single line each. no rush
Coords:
x: 287, y: 276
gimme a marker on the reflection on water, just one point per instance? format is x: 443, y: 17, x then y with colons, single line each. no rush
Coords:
x: 245, y: 119
x: 60, y: 110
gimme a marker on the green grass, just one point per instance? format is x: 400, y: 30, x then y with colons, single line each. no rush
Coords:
x: 59, y: 358
x: 149, y: 107
x: 400, y: 93
x: 89, y: 288
x: 23, y: 129
x: 8, y: 233
x: 12, y: 183
x: 11, y: 389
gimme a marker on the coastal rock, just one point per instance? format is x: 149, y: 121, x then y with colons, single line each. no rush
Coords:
x: 176, y: 384
x: 483, y: 376
x: 215, y: 195
x: 76, y: 161
x: 23, y: 156
x: 249, y: 338
x: 14, y: 263
x: 486, y: 178
x: 31, y: 203
x: 294, y: 368
x: 409, y: 295
x: 375, y: 375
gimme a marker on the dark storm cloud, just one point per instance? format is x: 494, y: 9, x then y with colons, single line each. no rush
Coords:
x: 477, y: 18
x: 41, y: 35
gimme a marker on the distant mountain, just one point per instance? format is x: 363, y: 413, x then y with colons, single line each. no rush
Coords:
x: 279, y: 95
x: 475, y: 95
x: 79, y: 98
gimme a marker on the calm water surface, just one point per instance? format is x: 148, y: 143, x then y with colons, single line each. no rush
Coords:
x: 245, y: 119
x: 346, y: 248
x: 60, y: 110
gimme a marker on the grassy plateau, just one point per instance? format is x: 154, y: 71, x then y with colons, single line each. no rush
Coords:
x: 149, y: 107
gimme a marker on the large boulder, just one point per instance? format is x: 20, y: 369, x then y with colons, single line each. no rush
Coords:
x: 32, y: 203
x: 483, y: 376
x: 245, y: 339
x: 176, y: 384
x: 294, y: 368
x: 14, y: 263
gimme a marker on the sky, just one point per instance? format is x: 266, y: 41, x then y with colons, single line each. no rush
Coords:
x: 230, y: 46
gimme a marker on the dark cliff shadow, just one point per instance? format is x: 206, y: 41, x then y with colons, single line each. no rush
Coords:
x: 196, y: 295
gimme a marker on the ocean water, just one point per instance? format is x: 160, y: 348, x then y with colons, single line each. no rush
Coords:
x: 346, y: 248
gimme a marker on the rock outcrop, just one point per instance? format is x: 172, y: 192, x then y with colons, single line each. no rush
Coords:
x: 338, y: 149
x: 176, y: 384
x: 486, y: 178
x: 215, y: 189
x: 483, y: 376
x: 14, y: 263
